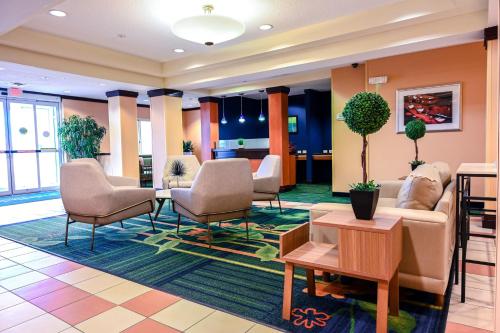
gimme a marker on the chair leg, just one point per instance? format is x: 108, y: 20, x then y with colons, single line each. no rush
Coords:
x: 67, y: 226
x: 121, y: 223
x: 271, y: 204
x: 209, y: 235
x: 92, y: 241
x: 279, y: 202
x: 178, y: 222
x: 151, y: 220
x: 246, y: 224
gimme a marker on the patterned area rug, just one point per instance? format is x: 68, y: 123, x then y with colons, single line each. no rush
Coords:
x: 244, y: 278
x: 312, y: 193
x: 31, y: 197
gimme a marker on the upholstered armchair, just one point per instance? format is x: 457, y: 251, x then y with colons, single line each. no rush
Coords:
x: 266, y: 181
x: 192, y: 166
x: 89, y: 196
x: 113, y: 180
x: 221, y: 191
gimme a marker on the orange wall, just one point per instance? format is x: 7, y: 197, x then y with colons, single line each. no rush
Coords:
x: 191, y: 123
x: 389, y: 153
x: 98, y: 111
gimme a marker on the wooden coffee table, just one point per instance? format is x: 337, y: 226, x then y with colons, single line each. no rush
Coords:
x: 161, y: 197
x: 369, y: 250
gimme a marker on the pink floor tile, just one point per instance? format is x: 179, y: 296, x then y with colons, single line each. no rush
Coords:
x: 149, y: 326
x: 150, y: 303
x: 458, y: 328
x: 61, y: 268
x: 39, y: 289
x: 82, y: 310
x: 60, y: 298
x: 478, y: 269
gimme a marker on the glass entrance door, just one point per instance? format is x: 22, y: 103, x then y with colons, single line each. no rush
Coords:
x: 31, y: 146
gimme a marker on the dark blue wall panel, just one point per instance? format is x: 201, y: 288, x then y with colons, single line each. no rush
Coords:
x: 252, y: 128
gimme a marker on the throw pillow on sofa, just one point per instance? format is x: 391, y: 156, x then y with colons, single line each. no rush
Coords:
x: 421, y: 189
x: 444, y: 172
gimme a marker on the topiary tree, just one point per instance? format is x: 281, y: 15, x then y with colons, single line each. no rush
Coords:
x: 365, y: 113
x: 81, y: 137
x: 414, y: 130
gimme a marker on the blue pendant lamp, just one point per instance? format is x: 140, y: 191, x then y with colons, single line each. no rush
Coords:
x: 241, y: 119
x: 223, y: 120
x: 261, y: 115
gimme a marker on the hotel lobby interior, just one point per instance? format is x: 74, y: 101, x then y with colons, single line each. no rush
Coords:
x: 249, y: 166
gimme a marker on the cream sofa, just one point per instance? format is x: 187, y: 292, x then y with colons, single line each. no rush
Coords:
x: 192, y: 167
x: 428, y: 236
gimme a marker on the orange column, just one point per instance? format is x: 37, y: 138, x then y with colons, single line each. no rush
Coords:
x: 278, y: 131
x: 209, y: 116
x: 123, y: 136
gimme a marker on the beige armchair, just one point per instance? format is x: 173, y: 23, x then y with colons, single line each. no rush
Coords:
x: 192, y: 167
x: 113, y: 180
x: 266, y: 181
x: 428, y: 236
x: 221, y: 191
x: 89, y: 197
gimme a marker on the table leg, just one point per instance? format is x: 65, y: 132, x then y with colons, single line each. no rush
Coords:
x: 382, y: 306
x: 161, y: 201
x: 457, y: 227
x: 288, y: 291
x: 311, y: 283
x: 394, y: 295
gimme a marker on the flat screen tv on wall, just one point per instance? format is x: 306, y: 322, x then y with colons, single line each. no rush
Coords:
x: 293, y: 127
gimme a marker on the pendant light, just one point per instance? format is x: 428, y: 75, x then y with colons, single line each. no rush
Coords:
x: 261, y: 115
x: 241, y: 119
x: 223, y: 120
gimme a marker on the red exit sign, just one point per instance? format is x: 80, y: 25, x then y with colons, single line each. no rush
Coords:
x: 15, y: 92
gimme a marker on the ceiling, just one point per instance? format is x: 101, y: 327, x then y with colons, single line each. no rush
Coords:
x: 127, y: 44
x: 146, y: 23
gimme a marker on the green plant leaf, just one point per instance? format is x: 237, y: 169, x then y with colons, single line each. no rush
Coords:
x: 267, y: 253
x: 168, y: 245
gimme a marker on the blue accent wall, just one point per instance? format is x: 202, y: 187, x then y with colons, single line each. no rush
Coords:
x: 252, y: 128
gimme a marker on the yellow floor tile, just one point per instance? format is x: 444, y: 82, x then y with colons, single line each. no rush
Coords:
x: 79, y: 275
x: 258, y: 328
x: 35, y: 255
x: 123, y: 292
x: 18, y: 314
x: 221, y: 322
x: 115, y: 320
x: 100, y: 283
x: 182, y: 314
x: 44, y: 262
x: 9, y: 299
x: 22, y: 280
x: 46, y: 323
x: 17, y: 252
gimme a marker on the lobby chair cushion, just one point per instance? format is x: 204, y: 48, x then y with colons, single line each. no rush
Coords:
x: 267, y: 179
x: 123, y: 181
x: 421, y: 189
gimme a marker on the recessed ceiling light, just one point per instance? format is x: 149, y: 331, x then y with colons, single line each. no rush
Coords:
x: 121, y: 36
x: 266, y: 27
x: 179, y: 50
x: 1, y: 68
x: 66, y: 91
x: 145, y: 100
x: 102, y: 84
x: 57, y: 13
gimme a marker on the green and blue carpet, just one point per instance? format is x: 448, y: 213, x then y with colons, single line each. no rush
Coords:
x: 235, y: 275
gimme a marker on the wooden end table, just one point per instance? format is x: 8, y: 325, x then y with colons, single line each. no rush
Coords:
x: 369, y: 250
x: 161, y: 197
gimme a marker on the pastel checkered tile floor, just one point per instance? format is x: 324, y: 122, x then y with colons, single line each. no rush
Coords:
x: 43, y: 293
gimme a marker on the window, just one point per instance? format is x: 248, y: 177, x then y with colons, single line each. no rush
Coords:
x: 145, y: 137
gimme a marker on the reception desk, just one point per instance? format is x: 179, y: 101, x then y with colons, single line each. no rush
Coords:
x: 255, y: 155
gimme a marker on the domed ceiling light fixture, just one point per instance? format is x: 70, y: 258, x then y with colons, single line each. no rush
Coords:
x: 223, y: 121
x: 261, y: 115
x: 241, y: 119
x: 208, y: 29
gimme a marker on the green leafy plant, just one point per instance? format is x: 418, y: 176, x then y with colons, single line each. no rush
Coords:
x: 187, y: 146
x: 365, y: 113
x: 241, y: 142
x: 414, y: 130
x: 81, y: 137
x: 370, y: 186
x: 177, y: 170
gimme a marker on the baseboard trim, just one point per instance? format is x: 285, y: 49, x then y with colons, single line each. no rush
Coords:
x: 340, y: 194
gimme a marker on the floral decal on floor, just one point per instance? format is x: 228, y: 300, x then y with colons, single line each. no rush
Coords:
x: 309, y: 318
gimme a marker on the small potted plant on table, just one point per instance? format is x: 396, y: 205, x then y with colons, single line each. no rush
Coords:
x: 187, y: 147
x: 414, y: 130
x: 365, y: 113
x: 241, y: 143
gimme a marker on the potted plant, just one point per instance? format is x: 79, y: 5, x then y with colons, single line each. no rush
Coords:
x: 414, y: 130
x: 81, y: 137
x: 177, y: 170
x: 365, y: 113
x: 187, y: 147
x: 241, y: 143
